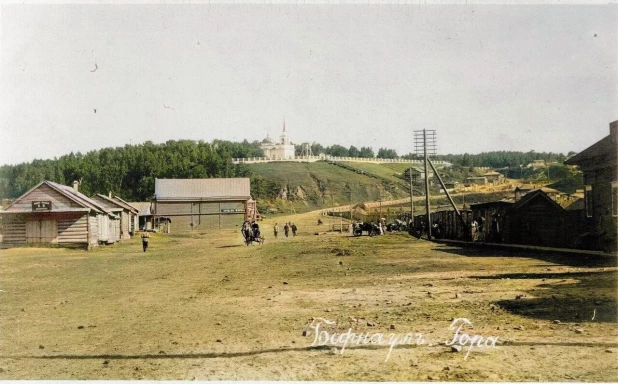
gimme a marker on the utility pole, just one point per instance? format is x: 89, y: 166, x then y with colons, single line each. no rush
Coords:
x: 427, y: 207
x: 380, y: 200
x: 428, y: 146
x: 411, y: 198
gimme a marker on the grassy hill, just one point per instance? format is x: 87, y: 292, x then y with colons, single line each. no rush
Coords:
x: 309, y: 186
x: 302, y: 187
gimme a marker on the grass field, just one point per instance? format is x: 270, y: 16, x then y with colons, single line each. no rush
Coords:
x: 205, y: 306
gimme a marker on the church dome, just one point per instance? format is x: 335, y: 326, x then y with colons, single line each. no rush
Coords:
x: 268, y: 140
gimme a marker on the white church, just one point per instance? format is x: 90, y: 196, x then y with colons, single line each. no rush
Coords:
x: 278, y: 150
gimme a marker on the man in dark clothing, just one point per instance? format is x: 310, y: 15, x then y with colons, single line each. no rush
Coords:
x: 286, y: 230
x: 145, y: 237
x: 294, y: 230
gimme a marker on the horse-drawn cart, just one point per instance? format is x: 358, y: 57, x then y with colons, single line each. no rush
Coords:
x: 370, y: 228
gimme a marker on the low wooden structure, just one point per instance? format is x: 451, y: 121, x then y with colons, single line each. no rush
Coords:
x: 494, y: 177
x: 476, y: 180
x: 144, y: 218
x: 199, y: 204
x: 52, y: 213
x: 450, y: 225
x: 492, y: 216
x: 535, y: 219
x: 128, y: 214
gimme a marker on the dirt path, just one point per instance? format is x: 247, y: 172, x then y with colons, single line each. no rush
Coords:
x: 207, y: 307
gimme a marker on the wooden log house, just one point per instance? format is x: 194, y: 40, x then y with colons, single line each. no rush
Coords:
x: 128, y: 214
x: 52, y: 213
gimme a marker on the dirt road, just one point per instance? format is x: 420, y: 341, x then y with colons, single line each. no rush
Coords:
x: 208, y: 307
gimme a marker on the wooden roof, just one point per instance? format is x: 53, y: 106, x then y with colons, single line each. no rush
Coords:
x: 600, y: 149
x: 129, y: 206
x: 535, y: 195
x: 115, y: 203
x: 76, y: 197
x: 492, y: 204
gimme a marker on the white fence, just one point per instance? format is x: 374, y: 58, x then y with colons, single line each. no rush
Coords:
x: 311, y: 159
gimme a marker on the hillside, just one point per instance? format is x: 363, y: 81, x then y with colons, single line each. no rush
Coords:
x: 307, y: 186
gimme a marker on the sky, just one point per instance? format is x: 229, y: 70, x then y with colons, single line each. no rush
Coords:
x: 76, y: 78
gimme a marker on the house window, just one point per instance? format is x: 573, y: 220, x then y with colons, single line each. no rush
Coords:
x: 588, y: 200
x: 614, y: 198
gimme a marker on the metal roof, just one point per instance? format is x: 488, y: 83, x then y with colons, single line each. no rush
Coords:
x: 178, y: 189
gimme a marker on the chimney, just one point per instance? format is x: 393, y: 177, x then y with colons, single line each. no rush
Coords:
x: 110, y: 194
x: 613, y: 131
x: 76, y: 185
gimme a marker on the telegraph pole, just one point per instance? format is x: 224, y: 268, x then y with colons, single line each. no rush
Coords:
x: 426, y: 141
x: 411, y: 198
x: 427, y: 207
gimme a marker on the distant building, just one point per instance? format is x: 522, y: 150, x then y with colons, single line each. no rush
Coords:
x: 199, y: 204
x: 494, y: 177
x: 451, y: 184
x: 418, y: 174
x: 278, y: 150
x: 476, y: 180
x: 536, y: 164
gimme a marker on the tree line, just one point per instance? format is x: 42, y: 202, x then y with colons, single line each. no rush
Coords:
x: 130, y: 171
x: 494, y: 159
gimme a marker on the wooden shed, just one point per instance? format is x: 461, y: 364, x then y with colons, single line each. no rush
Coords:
x: 52, y: 213
x: 128, y: 214
x: 492, y: 216
x: 194, y: 204
x: 145, y: 214
x: 535, y: 219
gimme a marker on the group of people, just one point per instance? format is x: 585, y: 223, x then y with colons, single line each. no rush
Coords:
x: 286, y: 229
x: 481, y: 233
x: 251, y: 232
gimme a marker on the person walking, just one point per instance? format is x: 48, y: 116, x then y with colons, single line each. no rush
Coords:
x: 276, y: 229
x: 286, y: 230
x: 145, y: 238
x: 475, y: 233
x: 294, y: 230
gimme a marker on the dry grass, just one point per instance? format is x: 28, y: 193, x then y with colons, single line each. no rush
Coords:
x: 207, y: 307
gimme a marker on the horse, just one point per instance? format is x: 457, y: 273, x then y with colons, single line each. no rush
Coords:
x: 371, y: 228
x: 251, y: 234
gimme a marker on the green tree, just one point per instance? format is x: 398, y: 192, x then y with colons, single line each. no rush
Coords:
x: 384, y: 153
x: 353, y: 151
x: 366, y: 152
